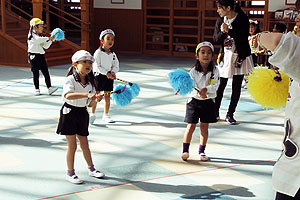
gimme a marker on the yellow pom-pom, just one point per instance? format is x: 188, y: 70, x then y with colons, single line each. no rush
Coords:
x: 265, y: 90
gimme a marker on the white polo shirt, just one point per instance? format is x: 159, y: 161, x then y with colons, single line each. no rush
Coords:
x: 72, y: 85
x: 38, y: 43
x: 205, y: 81
x: 105, y: 62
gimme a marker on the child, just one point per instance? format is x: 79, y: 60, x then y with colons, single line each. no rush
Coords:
x: 105, y: 67
x: 279, y: 28
x: 200, y: 104
x: 36, y: 54
x: 78, y: 92
x: 253, y: 30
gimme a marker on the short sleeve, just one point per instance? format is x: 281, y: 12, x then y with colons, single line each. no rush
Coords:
x: 287, y: 55
x: 68, y: 86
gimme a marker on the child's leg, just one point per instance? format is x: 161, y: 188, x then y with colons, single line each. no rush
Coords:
x: 106, y: 104
x: 187, y: 140
x: 203, y: 140
x: 72, y: 146
x: 36, y: 75
x: 46, y: 74
x: 94, y: 105
x: 84, y: 145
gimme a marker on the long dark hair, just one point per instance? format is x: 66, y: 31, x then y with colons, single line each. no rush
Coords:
x: 199, y: 68
x: 257, y: 30
x: 89, y: 78
x: 30, y: 33
x: 231, y: 3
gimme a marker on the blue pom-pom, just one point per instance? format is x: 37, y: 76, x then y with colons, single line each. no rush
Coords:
x: 135, y: 88
x: 181, y: 82
x: 60, y: 34
x: 124, y: 98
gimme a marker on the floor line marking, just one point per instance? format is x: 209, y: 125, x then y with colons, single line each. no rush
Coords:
x: 174, y: 175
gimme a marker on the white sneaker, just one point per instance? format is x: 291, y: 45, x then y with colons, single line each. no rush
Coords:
x: 92, y: 118
x: 51, y: 90
x: 37, y: 92
x: 107, y: 119
x: 96, y: 174
x: 73, y: 179
x: 203, y: 157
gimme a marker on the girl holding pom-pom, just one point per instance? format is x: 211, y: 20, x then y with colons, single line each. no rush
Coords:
x: 200, y: 104
x: 36, y: 54
x: 78, y: 93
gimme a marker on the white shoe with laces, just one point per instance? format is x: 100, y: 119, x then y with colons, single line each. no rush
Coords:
x: 74, y: 179
x: 37, y: 92
x: 96, y: 174
x: 107, y: 119
x: 51, y: 90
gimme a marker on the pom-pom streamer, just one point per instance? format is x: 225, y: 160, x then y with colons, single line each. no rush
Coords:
x: 135, y: 88
x: 59, y: 34
x: 124, y: 95
x: 181, y: 82
x: 267, y: 91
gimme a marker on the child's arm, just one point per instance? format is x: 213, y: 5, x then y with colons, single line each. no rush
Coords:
x: 73, y: 96
x: 115, y: 65
x: 45, y: 42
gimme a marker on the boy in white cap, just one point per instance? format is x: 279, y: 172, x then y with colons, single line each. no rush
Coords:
x: 201, y: 103
x: 78, y: 93
x: 36, y: 54
x: 105, y: 67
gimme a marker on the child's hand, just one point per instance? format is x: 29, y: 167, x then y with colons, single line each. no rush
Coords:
x: 202, y: 93
x: 52, y: 37
x: 113, y: 76
x: 108, y: 75
x: 91, y: 96
x: 99, y: 97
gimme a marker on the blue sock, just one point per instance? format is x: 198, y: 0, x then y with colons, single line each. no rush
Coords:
x: 201, y: 148
x: 186, y: 147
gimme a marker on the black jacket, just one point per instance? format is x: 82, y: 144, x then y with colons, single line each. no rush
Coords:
x: 239, y: 32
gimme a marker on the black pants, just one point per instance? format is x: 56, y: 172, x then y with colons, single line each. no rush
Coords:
x: 235, y: 94
x: 280, y: 196
x: 37, y: 63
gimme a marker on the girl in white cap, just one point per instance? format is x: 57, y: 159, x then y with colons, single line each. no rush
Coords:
x: 105, y: 67
x: 78, y: 93
x: 200, y: 103
x: 36, y: 54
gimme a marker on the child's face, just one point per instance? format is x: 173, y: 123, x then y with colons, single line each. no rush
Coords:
x: 275, y: 29
x: 108, y: 41
x: 205, y: 55
x: 83, y: 67
x: 252, y: 29
x: 39, y: 28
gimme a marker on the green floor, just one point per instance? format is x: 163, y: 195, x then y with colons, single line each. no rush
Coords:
x: 140, y: 153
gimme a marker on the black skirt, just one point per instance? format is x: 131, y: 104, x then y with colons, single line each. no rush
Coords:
x: 75, y: 121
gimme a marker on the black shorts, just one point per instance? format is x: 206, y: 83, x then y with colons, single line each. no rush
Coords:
x: 200, y: 109
x: 104, y: 83
x: 74, y: 122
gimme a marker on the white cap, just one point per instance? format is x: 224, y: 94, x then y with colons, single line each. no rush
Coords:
x: 205, y: 44
x: 82, y: 55
x: 106, y: 31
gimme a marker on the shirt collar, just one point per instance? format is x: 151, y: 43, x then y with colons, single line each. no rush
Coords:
x: 77, y: 77
x: 102, y: 49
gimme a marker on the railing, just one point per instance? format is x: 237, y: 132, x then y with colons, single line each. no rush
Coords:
x: 47, y: 8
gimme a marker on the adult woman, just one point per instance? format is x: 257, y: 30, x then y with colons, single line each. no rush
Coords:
x: 231, y: 32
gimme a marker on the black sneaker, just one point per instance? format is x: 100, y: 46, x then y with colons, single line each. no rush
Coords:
x: 230, y: 120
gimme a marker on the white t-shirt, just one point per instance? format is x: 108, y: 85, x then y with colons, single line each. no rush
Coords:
x: 286, y: 172
x: 105, y: 62
x: 37, y: 44
x: 73, y: 86
x: 205, y: 81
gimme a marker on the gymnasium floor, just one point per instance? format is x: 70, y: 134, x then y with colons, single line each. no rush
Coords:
x: 140, y: 153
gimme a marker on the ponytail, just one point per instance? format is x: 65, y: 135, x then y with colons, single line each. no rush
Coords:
x: 70, y: 70
x: 30, y: 33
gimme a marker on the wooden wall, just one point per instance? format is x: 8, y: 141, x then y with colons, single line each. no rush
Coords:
x: 12, y: 54
x: 127, y: 25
